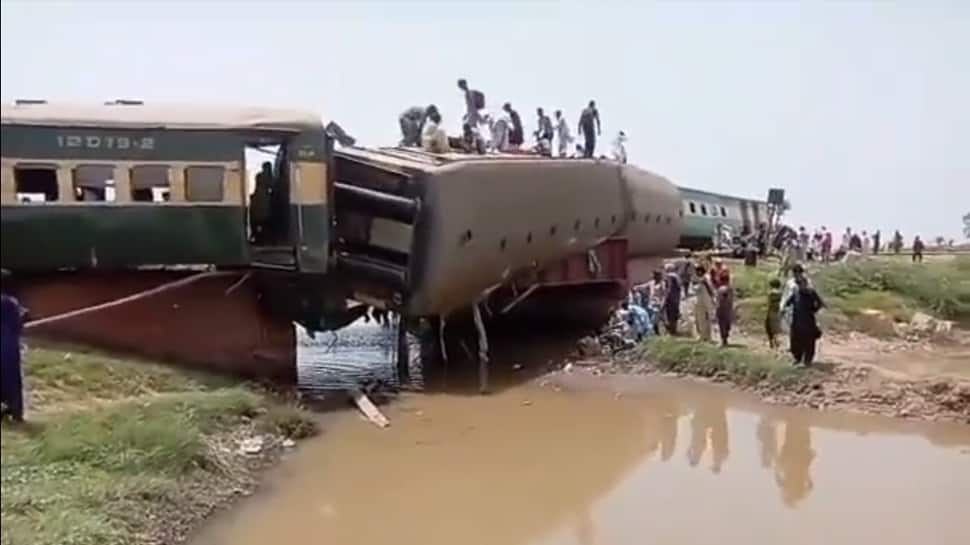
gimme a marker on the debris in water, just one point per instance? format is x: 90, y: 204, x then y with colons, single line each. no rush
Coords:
x: 253, y: 445
x: 288, y: 443
x: 369, y: 409
x: 526, y: 402
x: 568, y: 368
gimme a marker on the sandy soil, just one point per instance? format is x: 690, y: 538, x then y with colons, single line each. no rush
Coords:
x: 915, y: 380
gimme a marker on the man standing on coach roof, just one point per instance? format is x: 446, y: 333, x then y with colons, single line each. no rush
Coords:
x: 474, y: 102
x: 589, y: 128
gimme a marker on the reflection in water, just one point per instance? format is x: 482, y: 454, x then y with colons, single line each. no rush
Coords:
x: 793, y: 462
x: 536, y: 466
x: 709, y: 427
x: 768, y: 439
x: 793, y: 468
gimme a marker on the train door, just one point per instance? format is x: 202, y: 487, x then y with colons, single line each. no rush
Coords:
x: 268, y: 191
x: 309, y: 215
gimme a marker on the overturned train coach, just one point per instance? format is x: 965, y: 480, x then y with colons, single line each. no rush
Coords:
x: 100, y: 201
x: 447, y: 229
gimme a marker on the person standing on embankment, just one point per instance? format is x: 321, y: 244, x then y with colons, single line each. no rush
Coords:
x: 11, y: 376
x: 805, y: 303
x: 703, y: 304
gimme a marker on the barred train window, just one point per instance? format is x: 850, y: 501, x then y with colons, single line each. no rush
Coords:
x: 693, y: 208
x: 149, y: 183
x: 203, y: 184
x: 704, y: 209
x: 94, y: 183
x: 35, y: 183
x: 723, y: 212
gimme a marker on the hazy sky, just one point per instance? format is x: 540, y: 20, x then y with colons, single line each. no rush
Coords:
x: 861, y: 111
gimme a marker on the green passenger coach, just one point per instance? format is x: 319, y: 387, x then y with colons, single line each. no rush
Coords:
x: 124, y: 184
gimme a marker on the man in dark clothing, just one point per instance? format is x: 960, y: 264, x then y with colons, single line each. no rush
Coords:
x: 875, y: 242
x: 589, y: 128
x: 671, y: 307
x: 855, y: 242
x: 918, y: 248
x: 259, y: 204
x: 685, y: 271
x: 804, y: 333
x: 516, y: 136
x: 762, y: 240
x: 897, y: 242
x: 11, y: 377
x: 750, y: 254
x: 474, y: 102
x: 544, y: 132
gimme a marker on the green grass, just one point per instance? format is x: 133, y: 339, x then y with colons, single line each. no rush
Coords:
x: 95, y: 461
x: 941, y: 288
x: 894, y: 287
x: 59, y: 376
x: 742, y: 365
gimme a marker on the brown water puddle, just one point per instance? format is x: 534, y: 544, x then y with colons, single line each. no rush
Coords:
x: 569, y: 464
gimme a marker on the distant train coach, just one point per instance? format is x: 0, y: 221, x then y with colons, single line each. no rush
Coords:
x: 704, y: 211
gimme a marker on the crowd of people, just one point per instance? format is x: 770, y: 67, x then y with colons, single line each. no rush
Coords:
x: 503, y: 131
x: 799, y: 246
x: 654, y: 307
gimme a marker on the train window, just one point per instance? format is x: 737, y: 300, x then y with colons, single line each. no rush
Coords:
x: 552, y: 230
x: 646, y: 218
x: 659, y: 218
x: 723, y: 212
x: 149, y: 183
x: 596, y: 223
x: 633, y: 216
x: 693, y: 208
x: 35, y: 183
x: 203, y: 184
x: 466, y: 237
x: 502, y: 244
x: 667, y: 220
x: 704, y: 209
x: 528, y: 238
x: 613, y: 219
x: 577, y: 225
x: 94, y: 183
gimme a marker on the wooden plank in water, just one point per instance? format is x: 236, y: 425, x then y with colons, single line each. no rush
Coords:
x: 371, y: 411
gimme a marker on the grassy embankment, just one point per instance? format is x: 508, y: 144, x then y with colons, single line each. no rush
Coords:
x: 895, y: 289
x: 740, y: 364
x: 122, y: 452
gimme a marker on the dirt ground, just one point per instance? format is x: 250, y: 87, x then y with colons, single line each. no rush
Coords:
x: 916, y: 380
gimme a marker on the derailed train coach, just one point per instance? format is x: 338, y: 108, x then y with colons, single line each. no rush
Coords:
x: 479, y: 220
x: 124, y: 184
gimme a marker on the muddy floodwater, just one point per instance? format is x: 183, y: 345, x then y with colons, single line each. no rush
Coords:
x: 611, y: 460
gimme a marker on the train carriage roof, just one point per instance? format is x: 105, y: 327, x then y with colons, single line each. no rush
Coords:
x: 690, y: 192
x: 137, y: 115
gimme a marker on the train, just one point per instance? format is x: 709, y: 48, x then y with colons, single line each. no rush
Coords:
x: 704, y: 211
x: 99, y: 194
x: 125, y: 185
